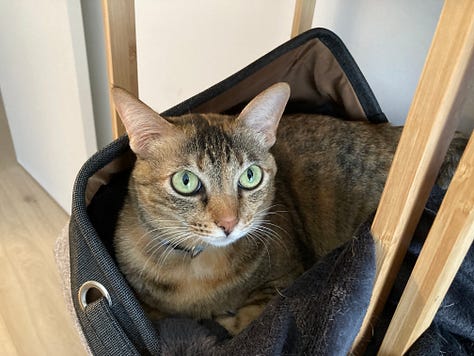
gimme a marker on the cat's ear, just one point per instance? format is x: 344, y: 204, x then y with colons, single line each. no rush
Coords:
x: 143, y: 125
x: 262, y: 115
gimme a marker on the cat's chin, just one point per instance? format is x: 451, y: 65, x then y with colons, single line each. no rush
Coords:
x: 223, y: 241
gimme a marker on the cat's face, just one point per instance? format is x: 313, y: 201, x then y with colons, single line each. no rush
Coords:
x: 204, y: 179
x: 213, y: 185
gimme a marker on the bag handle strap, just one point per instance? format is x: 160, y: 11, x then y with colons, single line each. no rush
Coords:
x: 107, y: 333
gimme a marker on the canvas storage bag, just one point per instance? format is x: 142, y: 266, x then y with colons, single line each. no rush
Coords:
x: 324, y: 78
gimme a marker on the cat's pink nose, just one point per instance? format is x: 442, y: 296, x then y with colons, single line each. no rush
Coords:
x: 227, y: 223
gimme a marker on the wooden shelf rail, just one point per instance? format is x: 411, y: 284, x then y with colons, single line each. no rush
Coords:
x: 431, y: 121
x: 303, y: 17
x: 121, y: 51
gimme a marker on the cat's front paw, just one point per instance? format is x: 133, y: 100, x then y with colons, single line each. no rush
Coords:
x: 234, y: 323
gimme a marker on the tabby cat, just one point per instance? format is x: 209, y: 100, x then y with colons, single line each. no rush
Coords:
x: 211, y: 229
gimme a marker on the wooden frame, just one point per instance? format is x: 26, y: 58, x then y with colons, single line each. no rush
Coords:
x: 446, y: 246
x: 429, y: 127
x: 121, y: 51
x: 430, y: 124
x: 303, y: 16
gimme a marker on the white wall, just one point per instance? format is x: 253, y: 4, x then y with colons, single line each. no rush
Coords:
x: 97, y: 63
x: 45, y: 87
x: 183, y: 47
x: 389, y: 41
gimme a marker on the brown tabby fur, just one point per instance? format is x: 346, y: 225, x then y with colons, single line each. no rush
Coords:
x: 330, y: 177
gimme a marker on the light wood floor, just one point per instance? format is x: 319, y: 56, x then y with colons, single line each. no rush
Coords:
x: 33, y: 315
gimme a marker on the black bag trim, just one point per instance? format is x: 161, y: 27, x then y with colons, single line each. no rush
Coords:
x: 108, y: 332
x: 81, y: 228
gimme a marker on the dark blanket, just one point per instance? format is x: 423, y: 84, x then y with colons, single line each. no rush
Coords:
x: 320, y: 314
x: 452, y: 330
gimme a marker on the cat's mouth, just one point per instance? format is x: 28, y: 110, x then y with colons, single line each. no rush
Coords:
x: 206, y: 241
x: 194, y: 242
x: 220, y: 239
x: 199, y: 241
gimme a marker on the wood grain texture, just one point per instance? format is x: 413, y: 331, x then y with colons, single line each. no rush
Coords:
x: 431, y: 121
x: 446, y: 246
x: 33, y: 317
x: 120, y: 43
x: 303, y: 17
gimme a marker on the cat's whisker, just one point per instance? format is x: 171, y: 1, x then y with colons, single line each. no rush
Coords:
x: 271, y: 235
x: 149, y: 258
x: 168, y: 239
x: 257, y: 235
x: 267, y: 222
x: 158, y: 229
x: 272, y: 206
x: 270, y: 225
x: 150, y: 232
x: 164, y: 235
x: 177, y: 240
x: 250, y: 236
x: 156, y: 245
x: 281, y: 214
x: 268, y: 211
x: 161, y: 262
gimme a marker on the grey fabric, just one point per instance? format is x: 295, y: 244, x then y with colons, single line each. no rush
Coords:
x: 107, y: 333
x: 90, y: 261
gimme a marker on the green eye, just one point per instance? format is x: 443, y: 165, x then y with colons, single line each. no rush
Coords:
x: 185, y: 182
x: 251, y: 177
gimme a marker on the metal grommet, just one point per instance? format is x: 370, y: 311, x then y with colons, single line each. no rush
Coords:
x: 91, y: 291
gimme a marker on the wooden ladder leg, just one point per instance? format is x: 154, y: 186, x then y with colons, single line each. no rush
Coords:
x: 120, y: 43
x: 303, y: 16
x: 444, y: 250
x: 431, y: 121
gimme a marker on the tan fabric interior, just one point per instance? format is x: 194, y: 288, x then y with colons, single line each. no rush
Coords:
x: 314, y: 76
x: 104, y: 175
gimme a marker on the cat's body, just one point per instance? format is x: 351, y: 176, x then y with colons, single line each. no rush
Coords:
x: 331, y: 174
x: 225, y: 248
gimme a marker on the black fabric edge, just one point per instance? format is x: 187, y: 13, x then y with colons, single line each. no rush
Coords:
x: 361, y: 87
x: 81, y: 221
